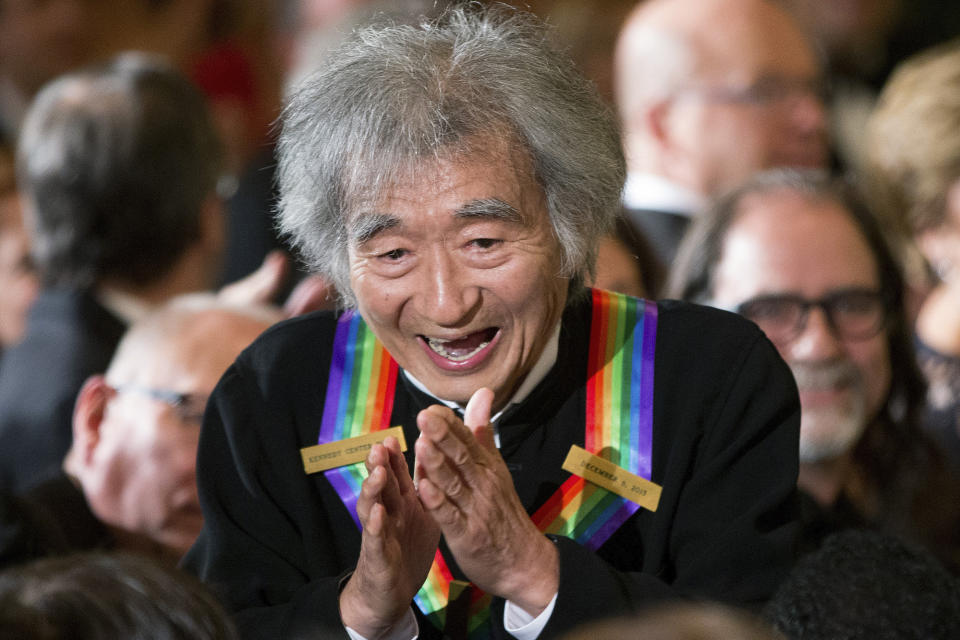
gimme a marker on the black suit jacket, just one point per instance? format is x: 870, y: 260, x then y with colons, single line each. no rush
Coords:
x: 662, y: 230
x: 69, y: 337
x: 278, y: 543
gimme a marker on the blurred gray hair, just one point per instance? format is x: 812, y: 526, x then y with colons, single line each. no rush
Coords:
x: 395, y: 97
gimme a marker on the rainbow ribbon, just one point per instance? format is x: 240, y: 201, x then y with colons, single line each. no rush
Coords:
x: 360, y: 391
x: 619, y: 427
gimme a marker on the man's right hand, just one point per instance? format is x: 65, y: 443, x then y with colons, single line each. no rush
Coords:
x: 397, y: 547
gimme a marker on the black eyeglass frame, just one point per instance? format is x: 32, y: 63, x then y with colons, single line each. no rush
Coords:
x: 829, y: 304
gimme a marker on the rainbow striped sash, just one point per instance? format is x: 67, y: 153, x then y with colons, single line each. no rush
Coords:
x: 360, y: 390
x: 619, y: 427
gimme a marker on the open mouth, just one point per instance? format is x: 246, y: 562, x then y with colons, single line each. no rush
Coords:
x: 463, y: 348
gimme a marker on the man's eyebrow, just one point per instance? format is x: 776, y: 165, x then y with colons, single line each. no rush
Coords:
x: 490, y: 208
x: 365, y: 226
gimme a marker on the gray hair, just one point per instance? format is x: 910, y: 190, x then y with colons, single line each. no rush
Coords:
x: 396, y: 96
x: 116, y: 162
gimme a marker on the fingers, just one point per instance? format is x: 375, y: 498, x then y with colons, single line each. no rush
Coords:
x: 477, y: 413
x: 477, y: 417
x: 382, y: 485
x: 369, y: 494
x: 443, y: 475
x: 446, y: 514
x: 445, y: 430
x: 376, y: 521
x: 260, y: 286
x: 311, y: 294
x: 463, y: 452
x: 398, y: 465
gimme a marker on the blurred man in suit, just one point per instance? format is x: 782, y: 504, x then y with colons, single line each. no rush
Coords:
x: 709, y: 91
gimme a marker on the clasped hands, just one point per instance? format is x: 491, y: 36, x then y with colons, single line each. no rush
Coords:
x: 464, y: 491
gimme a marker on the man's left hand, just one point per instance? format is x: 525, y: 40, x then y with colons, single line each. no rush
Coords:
x: 465, y: 484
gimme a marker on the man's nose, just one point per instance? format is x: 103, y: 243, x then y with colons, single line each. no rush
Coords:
x: 808, y: 112
x: 449, y: 298
x: 817, y: 340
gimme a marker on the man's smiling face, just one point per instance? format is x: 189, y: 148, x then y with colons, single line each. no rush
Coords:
x: 457, y: 271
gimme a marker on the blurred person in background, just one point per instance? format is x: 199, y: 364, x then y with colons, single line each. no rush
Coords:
x: 865, y: 585
x: 18, y: 280
x: 913, y: 160
x: 680, y: 621
x: 862, y: 41
x: 708, y: 92
x: 626, y: 262
x: 802, y: 256
x: 117, y: 167
x: 39, y: 40
x: 129, y: 479
x: 228, y: 48
x: 108, y: 596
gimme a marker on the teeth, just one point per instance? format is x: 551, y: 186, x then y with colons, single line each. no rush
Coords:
x: 439, y: 347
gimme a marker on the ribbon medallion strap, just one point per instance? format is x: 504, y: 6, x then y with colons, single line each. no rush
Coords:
x: 619, y: 428
x: 360, y: 391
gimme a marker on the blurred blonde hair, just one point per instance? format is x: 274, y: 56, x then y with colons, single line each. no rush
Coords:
x: 913, y: 139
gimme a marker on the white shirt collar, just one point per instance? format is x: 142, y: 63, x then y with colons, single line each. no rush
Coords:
x: 649, y: 191
x: 539, y: 371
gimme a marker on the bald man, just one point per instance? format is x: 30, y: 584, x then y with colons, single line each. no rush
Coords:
x: 129, y: 479
x: 708, y: 92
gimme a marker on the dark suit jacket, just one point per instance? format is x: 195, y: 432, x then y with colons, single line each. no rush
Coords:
x: 662, y: 230
x: 69, y: 337
x: 277, y: 543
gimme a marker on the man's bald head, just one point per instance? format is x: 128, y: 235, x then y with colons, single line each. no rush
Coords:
x: 710, y: 91
x: 192, y: 333
x: 136, y: 430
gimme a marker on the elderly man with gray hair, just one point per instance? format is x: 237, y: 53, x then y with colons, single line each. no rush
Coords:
x: 128, y: 482
x: 478, y: 445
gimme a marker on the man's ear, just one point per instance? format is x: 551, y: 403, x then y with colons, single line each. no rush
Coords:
x: 88, y: 414
x: 658, y: 123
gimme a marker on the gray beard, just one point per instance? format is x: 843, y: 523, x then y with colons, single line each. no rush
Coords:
x: 828, y: 432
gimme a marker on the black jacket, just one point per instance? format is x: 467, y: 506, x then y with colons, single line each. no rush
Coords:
x: 277, y: 543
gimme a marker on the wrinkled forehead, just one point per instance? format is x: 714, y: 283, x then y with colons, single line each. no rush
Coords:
x: 501, y: 160
x: 787, y: 242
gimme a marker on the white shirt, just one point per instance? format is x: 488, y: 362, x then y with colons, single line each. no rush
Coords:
x: 649, y: 191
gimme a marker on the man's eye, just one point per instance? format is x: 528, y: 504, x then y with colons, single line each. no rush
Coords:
x: 393, y: 254
x: 769, y: 310
x: 485, y: 243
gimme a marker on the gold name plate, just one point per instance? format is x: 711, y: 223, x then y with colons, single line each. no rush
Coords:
x: 612, y: 478
x: 321, y: 457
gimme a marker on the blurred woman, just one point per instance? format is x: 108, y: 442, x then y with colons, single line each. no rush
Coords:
x: 913, y: 142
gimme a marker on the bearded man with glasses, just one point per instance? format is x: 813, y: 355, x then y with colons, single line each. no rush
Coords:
x: 798, y: 253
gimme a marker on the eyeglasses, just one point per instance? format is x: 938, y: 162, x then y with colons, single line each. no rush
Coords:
x: 853, y: 314
x: 189, y: 407
x: 767, y: 91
